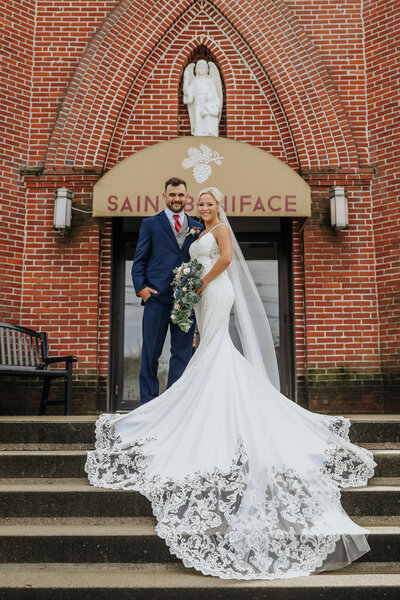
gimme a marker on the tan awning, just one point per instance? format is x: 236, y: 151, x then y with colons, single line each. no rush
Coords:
x: 254, y: 182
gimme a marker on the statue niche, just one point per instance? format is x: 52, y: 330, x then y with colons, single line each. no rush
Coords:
x: 202, y: 93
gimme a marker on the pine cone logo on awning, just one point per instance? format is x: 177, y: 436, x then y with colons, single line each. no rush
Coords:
x: 199, y: 160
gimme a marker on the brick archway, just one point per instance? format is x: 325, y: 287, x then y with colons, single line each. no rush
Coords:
x: 117, y: 64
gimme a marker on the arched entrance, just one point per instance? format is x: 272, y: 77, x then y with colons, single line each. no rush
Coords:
x: 261, y: 196
x: 279, y: 96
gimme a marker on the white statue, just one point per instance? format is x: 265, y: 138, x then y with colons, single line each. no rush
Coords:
x: 202, y: 92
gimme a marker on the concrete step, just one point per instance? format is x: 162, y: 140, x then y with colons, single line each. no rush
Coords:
x: 56, y: 430
x: 68, y: 447
x: 374, y: 428
x: 42, y: 463
x: 388, y: 463
x: 110, y: 540
x: 54, y: 516
x: 173, y: 582
x: 128, y: 541
x: 77, y: 498
x: 70, y: 463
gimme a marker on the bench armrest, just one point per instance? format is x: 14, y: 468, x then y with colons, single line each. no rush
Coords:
x: 57, y: 359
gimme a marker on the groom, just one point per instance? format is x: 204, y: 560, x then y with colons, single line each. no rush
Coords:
x: 163, y: 244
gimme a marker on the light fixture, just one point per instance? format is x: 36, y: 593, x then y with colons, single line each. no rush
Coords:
x: 339, y: 210
x: 62, y: 209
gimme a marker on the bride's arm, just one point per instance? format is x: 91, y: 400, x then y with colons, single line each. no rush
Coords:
x: 223, y: 239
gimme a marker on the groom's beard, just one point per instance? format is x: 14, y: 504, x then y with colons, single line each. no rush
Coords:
x: 176, y: 207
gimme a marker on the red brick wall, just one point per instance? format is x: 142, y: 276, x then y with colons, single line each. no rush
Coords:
x: 151, y: 109
x: 336, y: 30
x: 58, y: 284
x: 63, y: 29
x: 17, y: 42
x: 118, y: 64
x: 297, y: 79
x: 382, y: 42
x: 341, y: 317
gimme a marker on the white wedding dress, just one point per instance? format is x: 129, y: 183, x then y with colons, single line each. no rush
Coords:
x: 243, y: 482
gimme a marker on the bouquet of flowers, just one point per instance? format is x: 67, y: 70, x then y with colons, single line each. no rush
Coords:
x: 185, y: 282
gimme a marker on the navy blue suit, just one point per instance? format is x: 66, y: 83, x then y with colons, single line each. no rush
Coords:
x: 157, y: 254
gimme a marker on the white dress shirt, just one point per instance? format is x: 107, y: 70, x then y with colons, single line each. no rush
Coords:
x: 171, y: 214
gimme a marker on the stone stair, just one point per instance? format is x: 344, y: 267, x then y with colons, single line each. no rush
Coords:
x: 62, y: 538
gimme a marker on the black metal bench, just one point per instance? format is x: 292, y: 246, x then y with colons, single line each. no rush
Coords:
x: 25, y: 352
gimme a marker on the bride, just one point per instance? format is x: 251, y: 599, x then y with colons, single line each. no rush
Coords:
x: 243, y: 482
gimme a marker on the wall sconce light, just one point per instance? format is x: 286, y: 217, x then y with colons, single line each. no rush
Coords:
x: 62, y: 209
x: 339, y: 209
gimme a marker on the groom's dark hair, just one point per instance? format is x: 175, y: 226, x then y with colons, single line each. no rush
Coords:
x: 174, y: 181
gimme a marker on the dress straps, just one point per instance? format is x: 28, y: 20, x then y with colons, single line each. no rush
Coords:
x: 217, y: 225
x: 203, y: 234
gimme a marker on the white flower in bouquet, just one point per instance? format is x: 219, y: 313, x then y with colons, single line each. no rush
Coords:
x: 186, y: 281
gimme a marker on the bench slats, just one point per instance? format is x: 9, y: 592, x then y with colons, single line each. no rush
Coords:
x: 24, y: 351
x: 8, y: 349
x: 32, y: 355
x: 39, y: 359
x: 2, y: 347
x: 15, y: 347
x: 20, y: 341
x: 20, y: 348
x: 26, y: 348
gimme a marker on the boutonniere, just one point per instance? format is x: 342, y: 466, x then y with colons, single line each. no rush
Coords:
x: 194, y: 231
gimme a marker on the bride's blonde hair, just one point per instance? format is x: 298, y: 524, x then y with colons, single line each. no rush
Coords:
x: 215, y: 193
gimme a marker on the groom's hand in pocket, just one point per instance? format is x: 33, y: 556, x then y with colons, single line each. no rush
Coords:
x: 146, y: 292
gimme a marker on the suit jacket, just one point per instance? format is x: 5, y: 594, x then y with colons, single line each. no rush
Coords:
x: 157, y: 254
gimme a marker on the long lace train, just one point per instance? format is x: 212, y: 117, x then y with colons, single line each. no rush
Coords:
x: 221, y: 524
x: 243, y: 482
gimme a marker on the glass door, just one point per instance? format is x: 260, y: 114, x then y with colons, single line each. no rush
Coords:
x: 266, y: 245
x: 263, y: 264
x: 133, y: 347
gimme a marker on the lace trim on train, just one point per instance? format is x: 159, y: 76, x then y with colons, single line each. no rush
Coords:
x: 347, y: 465
x: 261, y: 537
x: 340, y: 426
x: 112, y: 465
x: 226, y: 525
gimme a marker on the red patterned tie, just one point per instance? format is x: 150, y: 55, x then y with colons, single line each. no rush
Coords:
x: 177, y: 223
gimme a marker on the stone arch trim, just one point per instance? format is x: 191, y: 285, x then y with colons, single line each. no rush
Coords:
x: 173, y: 79
x: 118, y: 52
x: 175, y: 76
x: 300, y: 78
x: 246, y: 53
